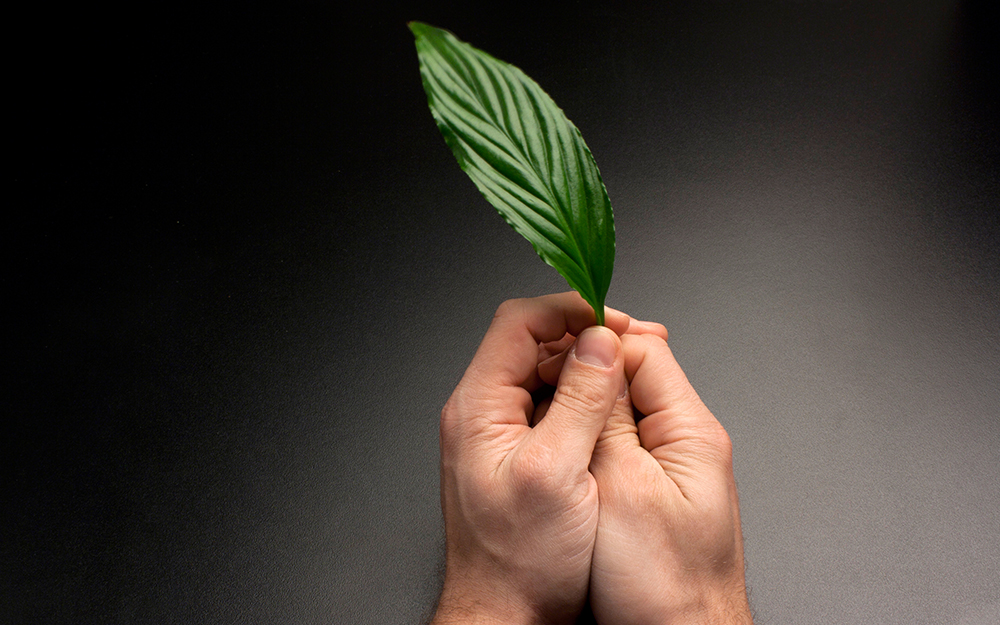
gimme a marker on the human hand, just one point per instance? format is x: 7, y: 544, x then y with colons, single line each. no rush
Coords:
x: 520, y: 506
x: 669, y: 548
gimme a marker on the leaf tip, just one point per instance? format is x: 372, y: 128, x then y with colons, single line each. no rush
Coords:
x: 419, y: 29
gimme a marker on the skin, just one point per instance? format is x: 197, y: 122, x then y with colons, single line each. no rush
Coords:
x: 551, y: 497
x: 669, y: 547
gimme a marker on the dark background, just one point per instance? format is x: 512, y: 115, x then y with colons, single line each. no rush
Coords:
x: 243, y: 273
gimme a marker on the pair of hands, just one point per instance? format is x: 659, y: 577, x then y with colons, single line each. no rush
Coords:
x: 617, y: 486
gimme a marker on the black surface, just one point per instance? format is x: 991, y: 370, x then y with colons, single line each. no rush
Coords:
x: 244, y: 273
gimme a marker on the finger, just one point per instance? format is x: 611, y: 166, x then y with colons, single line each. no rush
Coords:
x: 554, y: 348
x: 589, y: 386
x: 497, y: 386
x: 677, y: 424
x: 624, y: 471
x: 550, y: 360
x: 637, y: 326
x: 616, y: 320
x: 508, y: 355
x: 553, y: 355
x: 549, y: 369
x: 620, y: 431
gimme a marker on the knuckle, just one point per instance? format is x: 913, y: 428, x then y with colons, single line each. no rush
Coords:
x: 581, y: 396
x: 509, y: 308
x: 452, y: 417
x: 654, y: 341
x: 718, y: 439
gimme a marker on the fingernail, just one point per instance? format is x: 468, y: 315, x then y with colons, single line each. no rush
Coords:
x: 623, y: 389
x: 595, y: 347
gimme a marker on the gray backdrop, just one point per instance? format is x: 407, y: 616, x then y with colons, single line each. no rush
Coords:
x: 252, y: 273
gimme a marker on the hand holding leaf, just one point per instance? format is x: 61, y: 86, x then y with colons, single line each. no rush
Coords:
x: 526, y: 158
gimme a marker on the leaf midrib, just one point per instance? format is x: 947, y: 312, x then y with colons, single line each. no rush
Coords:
x: 577, y: 253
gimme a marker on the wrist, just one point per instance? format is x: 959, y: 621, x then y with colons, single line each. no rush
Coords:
x: 682, y: 605
x: 728, y: 608
x: 468, y: 603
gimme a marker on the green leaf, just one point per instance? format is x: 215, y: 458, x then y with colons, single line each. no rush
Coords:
x: 526, y: 158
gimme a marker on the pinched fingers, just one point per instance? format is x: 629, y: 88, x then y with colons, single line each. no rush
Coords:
x: 496, y: 389
x: 510, y: 350
x: 551, y: 358
x: 588, y: 388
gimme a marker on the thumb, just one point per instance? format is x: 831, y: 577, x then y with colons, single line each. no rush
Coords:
x: 592, y: 378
